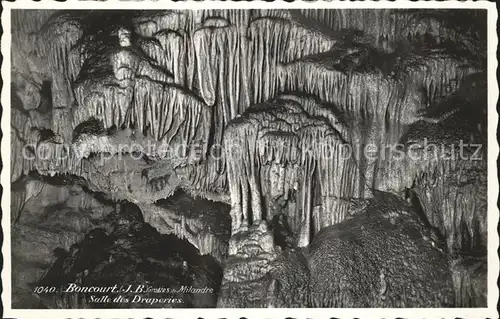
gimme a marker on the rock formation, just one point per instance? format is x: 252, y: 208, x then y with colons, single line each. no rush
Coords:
x: 303, y: 158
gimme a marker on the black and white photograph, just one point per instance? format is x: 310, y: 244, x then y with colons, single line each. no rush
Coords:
x: 252, y: 157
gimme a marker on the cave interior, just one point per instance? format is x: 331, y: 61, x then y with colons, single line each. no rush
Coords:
x: 257, y: 184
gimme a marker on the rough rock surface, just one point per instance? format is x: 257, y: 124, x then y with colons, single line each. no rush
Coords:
x: 251, y: 252
x: 54, y: 217
x: 361, y: 261
x: 135, y: 254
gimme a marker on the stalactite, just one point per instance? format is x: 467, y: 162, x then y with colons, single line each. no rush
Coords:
x: 219, y: 76
x: 173, y: 54
x: 270, y: 134
x: 63, y: 64
x: 205, y: 72
x: 276, y: 40
x: 305, y: 232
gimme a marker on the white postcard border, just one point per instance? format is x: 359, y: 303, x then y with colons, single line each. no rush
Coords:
x: 493, y: 151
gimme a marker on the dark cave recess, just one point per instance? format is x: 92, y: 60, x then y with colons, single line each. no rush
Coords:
x: 132, y: 254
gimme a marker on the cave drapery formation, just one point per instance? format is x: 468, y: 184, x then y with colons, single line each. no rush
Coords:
x: 259, y: 106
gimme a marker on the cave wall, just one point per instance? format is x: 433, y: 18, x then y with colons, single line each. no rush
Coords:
x: 49, y: 220
x: 249, y: 100
x: 180, y: 77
